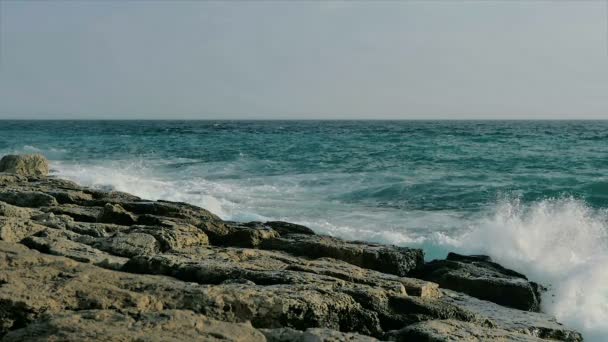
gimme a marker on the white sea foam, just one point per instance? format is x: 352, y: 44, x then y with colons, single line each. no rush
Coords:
x: 561, y: 243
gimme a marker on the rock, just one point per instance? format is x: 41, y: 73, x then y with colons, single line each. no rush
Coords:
x: 25, y: 165
x: 52, y: 221
x: 342, y: 270
x: 313, y: 335
x: 35, y: 284
x: 95, y: 229
x: 479, y: 277
x: 11, y: 179
x: 387, y: 259
x: 60, y: 243
x: 108, y: 325
x: 174, y: 237
x: 71, y: 196
x: 285, y: 228
x: 115, y: 213
x: 8, y: 210
x: 30, y: 199
x: 16, y: 229
x: 159, y: 212
x: 246, y: 236
x: 100, y: 197
x: 125, y: 245
x: 453, y: 330
x: 78, y: 213
x: 526, y: 322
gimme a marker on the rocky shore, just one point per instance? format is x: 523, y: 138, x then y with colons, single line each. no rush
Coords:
x: 81, y: 264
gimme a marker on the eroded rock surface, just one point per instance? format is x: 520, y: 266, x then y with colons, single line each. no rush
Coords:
x: 25, y: 165
x: 479, y: 277
x: 80, y: 264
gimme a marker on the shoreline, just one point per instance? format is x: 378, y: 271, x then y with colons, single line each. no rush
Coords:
x: 80, y: 263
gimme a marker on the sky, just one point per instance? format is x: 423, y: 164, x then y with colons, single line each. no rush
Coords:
x: 434, y: 59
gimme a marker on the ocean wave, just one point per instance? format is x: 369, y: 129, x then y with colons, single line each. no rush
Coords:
x: 561, y: 243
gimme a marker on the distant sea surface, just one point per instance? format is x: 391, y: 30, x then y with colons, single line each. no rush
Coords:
x: 531, y: 194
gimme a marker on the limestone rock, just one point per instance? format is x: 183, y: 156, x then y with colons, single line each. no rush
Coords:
x: 78, y: 213
x: 285, y: 228
x: 57, y: 243
x: 11, y: 178
x: 174, y: 236
x: 387, y: 259
x: 479, y: 277
x: 30, y: 199
x: 313, y: 334
x: 108, y: 325
x: 15, y: 229
x: 527, y: 322
x: 115, y: 213
x: 8, y: 210
x: 126, y: 245
x: 453, y: 330
x: 25, y: 165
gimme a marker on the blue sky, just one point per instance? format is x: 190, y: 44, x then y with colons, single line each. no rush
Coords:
x: 303, y: 60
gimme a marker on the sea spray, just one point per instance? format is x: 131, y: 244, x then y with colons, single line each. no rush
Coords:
x: 558, y: 242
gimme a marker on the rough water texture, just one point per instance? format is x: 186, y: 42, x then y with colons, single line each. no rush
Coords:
x: 95, y: 265
x: 533, y: 194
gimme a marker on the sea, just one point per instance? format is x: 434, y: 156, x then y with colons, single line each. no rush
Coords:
x: 531, y: 194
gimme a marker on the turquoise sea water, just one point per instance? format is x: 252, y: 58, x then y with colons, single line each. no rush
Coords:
x: 532, y: 194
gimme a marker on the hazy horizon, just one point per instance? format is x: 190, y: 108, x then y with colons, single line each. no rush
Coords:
x: 265, y: 60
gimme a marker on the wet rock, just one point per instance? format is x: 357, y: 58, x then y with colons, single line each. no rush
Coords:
x: 387, y: 259
x: 116, y: 197
x: 115, y: 213
x: 15, y: 229
x: 526, y: 322
x: 30, y: 199
x: 108, y: 325
x: 479, y: 277
x: 453, y: 330
x: 285, y: 228
x: 313, y: 334
x: 25, y: 165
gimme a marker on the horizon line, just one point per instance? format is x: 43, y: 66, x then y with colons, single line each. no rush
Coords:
x: 292, y: 119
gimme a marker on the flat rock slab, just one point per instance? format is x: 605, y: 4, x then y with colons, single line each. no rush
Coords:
x: 479, y: 277
x: 388, y: 259
x: 452, y: 330
x: 108, y: 325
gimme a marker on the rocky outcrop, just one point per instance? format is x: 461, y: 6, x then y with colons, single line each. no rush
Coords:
x: 479, y: 277
x: 25, y: 165
x: 83, y: 264
x: 387, y: 259
x: 109, y: 325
